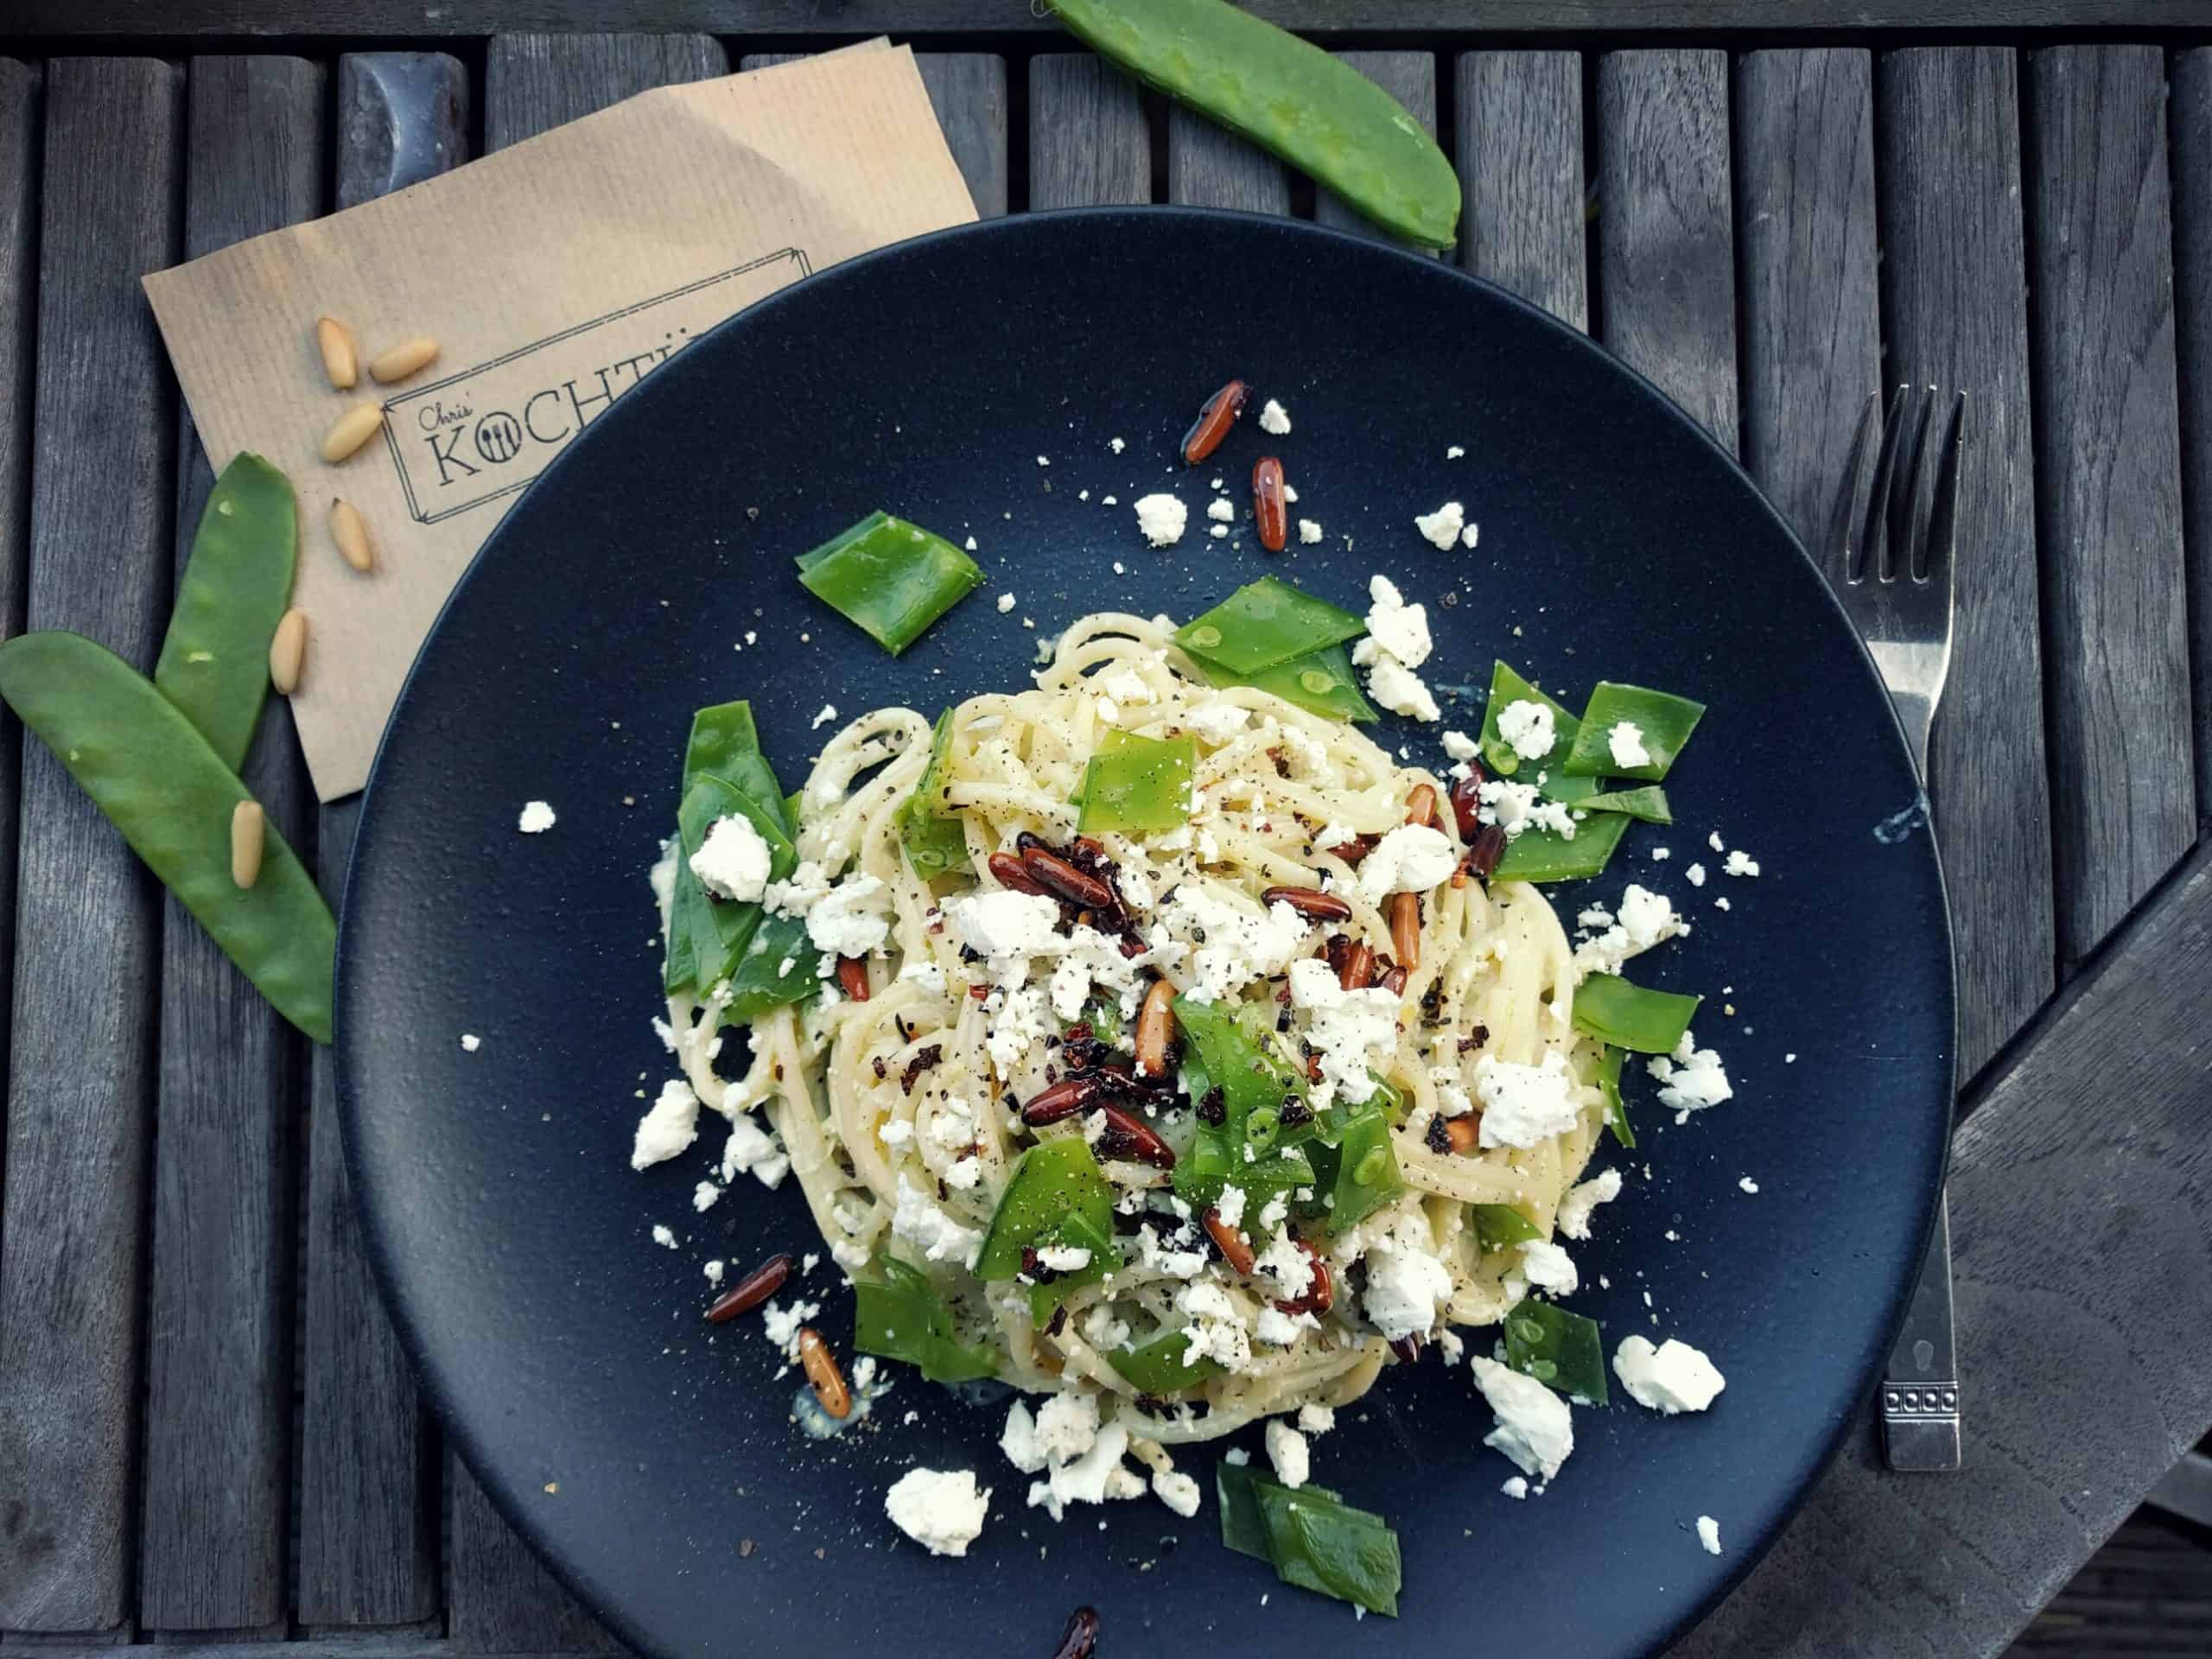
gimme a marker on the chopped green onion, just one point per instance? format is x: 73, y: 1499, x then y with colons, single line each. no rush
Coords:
x: 1313, y: 1538
x: 898, y: 1314
x: 1630, y: 1016
x: 1266, y: 623
x: 1542, y: 855
x: 935, y: 840
x: 1136, y: 784
x: 1560, y: 1349
x: 1500, y: 1226
x: 1664, y: 722
x: 1052, y: 1182
x: 1648, y: 804
x: 1609, y: 1084
x: 1157, y: 1367
x: 892, y: 578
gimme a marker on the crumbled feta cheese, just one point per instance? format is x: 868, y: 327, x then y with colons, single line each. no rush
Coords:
x: 1412, y: 858
x: 663, y: 1237
x: 853, y: 918
x: 1405, y: 1283
x: 1286, y: 1263
x: 1004, y: 925
x: 1452, y: 452
x: 828, y: 713
x: 806, y: 887
x: 1309, y: 531
x: 1219, y: 532
x: 1221, y: 510
x: 1441, y: 528
x: 1102, y: 1330
x: 536, y: 818
x: 1739, y: 863
x: 1067, y: 1426
x: 1715, y: 842
x: 1090, y: 1479
x: 752, y: 1150
x: 896, y: 1131
x: 1161, y: 517
x: 1020, y: 1022
x: 1274, y: 418
x: 1232, y: 943
x: 1535, y: 1428
x: 1018, y: 1440
x: 1692, y: 1078
x: 1696, y: 874
x: 1748, y: 1185
x: 1575, y: 1209
x: 1548, y: 1266
x: 714, y: 1272
x: 781, y: 1325
x: 1672, y: 1377
x: 1316, y: 1419
x: 1525, y: 1105
x: 1708, y: 1533
x: 1626, y: 740
x: 940, y: 1509
x: 919, y: 1221
x: 668, y: 1128
x: 1517, y: 1486
x: 1460, y: 746
x: 1645, y: 918
x: 1287, y: 1451
x: 1062, y: 1258
x: 1350, y: 1031
x: 470, y: 1042
x: 1215, y: 1331
x: 1396, y: 626
x: 704, y: 1197
x: 1393, y: 685
x: 1177, y: 1491
x: 733, y: 861
x: 1216, y: 722
x: 1529, y: 726
x: 1230, y: 1207
x: 1276, y: 1328
x: 1115, y: 445
x: 1006, y: 603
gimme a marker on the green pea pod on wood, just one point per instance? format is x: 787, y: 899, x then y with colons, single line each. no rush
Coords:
x: 1288, y: 97
x: 214, y: 662
x: 147, y: 766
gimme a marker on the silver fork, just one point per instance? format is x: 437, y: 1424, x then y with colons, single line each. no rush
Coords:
x: 1892, y: 566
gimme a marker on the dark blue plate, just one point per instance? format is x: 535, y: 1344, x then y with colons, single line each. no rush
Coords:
x: 561, y: 1347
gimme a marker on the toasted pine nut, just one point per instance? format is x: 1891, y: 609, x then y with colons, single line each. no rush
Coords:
x: 1309, y: 902
x: 1155, y: 1025
x: 822, y: 1370
x: 353, y: 429
x: 748, y: 1292
x: 403, y: 359
x: 1420, y: 805
x: 1060, y: 1100
x: 351, y: 532
x: 1268, y: 512
x: 1128, y: 1137
x: 1063, y: 880
x: 340, y: 362
x: 1216, y: 415
x: 852, y: 977
x: 1014, y: 874
x: 1358, y: 968
x: 1320, y: 1295
x: 1235, y: 1250
x: 1080, y: 1639
x: 1464, y: 1132
x: 249, y: 831
x: 1405, y: 930
x: 1467, y: 803
x: 286, y: 650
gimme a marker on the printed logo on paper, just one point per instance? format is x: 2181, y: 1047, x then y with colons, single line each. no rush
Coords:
x: 486, y: 432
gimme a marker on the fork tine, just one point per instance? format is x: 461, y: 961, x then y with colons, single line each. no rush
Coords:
x: 1874, y: 537
x: 1904, y: 494
x: 1932, y: 553
x: 1851, y: 498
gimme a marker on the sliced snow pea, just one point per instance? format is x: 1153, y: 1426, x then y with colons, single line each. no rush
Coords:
x: 1500, y: 1226
x: 149, y: 769
x: 1540, y: 856
x: 1563, y: 1351
x: 1136, y: 784
x: 1507, y: 686
x: 1648, y: 804
x: 1264, y: 623
x: 898, y: 1314
x: 706, y: 938
x: 719, y: 734
x: 1367, y: 1170
x: 776, y: 968
x: 1075, y: 1232
x: 1249, y: 1078
x: 1632, y: 1016
x: 236, y: 586
x: 1609, y: 1084
x: 1157, y: 1367
x: 892, y: 578
x: 1312, y: 1537
x: 936, y: 842
x: 1053, y: 1180
x: 1288, y: 97
x: 1320, y: 682
x: 1662, y: 721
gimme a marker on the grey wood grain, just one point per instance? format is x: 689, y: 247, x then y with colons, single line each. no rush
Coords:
x: 1409, y: 77
x: 19, y: 137
x: 1211, y: 166
x: 2108, y: 481
x: 369, y: 1493
x: 2082, y: 1247
x: 968, y: 90
x: 400, y: 18
x: 1812, y: 348
x: 1089, y: 144
x: 1953, y: 290
x: 503, y: 1597
x: 1666, y: 244
x: 80, y: 1080
x: 214, y: 1496
x: 2190, y: 113
x: 1520, y: 160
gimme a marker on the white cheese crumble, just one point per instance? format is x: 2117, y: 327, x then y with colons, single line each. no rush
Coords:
x: 704, y: 1197
x: 1405, y: 1283
x: 1672, y: 1377
x: 1216, y: 722
x: 536, y: 818
x: 1006, y: 603
x: 1161, y: 517
x: 1692, y: 1078
x: 919, y: 1221
x: 470, y: 1042
x: 1739, y: 863
x: 668, y: 1128
x: 853, y: 918
x: 1396, y: 626
x: 1696, y: 874
x: 1530, y: 728
x: 1115, y: 445
x: 1393, y: 685
x: 826, y: 713
x: 1525, y: 1105
x: 1454, y: 451
x: 1350, y: 1031
x: 1177, y: 1491
x: 1643, y: 919
x: 663, y: 1237
x: 1232, y: 943
x: 752, y: 1150
x: 1708, y: 1533
x: 1221, y: 510
x: 1515, y: 1486
x: 1004, y: 925
x: 1626, y: 740
x: 1548, y: 1266
x: 1748, y: 1185
x: 1460, y: 746
x: 1316, y: 1419
x: 1215, y: 1331
x: 1441, y: 528
x: 733, y: 861
x: 1575, y: 1209
x: 1287, y: 1451
x: 1309, y: 531
x: 1064, y: 1258
x: 940, y: 1509
x: 1535, y: 1428
x: 1274, y: 418
x: 1412, y: 858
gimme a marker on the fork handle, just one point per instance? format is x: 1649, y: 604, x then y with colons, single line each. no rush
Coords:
x: 1920, y: 1390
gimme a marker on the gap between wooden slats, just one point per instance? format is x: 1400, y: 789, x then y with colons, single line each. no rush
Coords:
x: 502, y: 1599
x: 2190, y: 112
x: 1088, y: 143
x: 1666, y: 244
x: 219, y: 1346
x: 19, y: 122
x: 368, y: 1476
x: 1409, y: 77
x: 81, y: 1078
x: 968, y: 90
x: 1519, y: 121
x: 1947, y: 166
x: 2107, y: 481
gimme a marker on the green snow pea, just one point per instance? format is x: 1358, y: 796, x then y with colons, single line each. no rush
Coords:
x: 1052, y: 1181
x: 1312, y: 1537
x: 892, y: 578
x: 1609, y: 1084
x: 1500, y: 1226
x: 1664, y: 722
x: 1558, y: 785
x: 776, y: 968
x: 1648, y: 804
x: 1560, y: 1349
x: 1631, y: 1016
x: 721, y: 733
x: 1266, y: 623
x: 936, y: 842
x: 1250, y: 1079
x: 1367, y: 1171
x: 705, y: 938
x: 1136, y: 784
x: 1540, y: 856
x: 149, y: 769
x: 1320, y: 682
x: 214, y: 662
x: 1157, y: 1367
x: 898, y: 1314
x: 1075, y: 1232
x: 1286, y: 96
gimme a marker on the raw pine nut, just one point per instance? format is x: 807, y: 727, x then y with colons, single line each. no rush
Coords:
x: 353, y: 429
x: 288, y: 650
x: 1155, y: 1025
x: 1268, y: 511
x: 351, y: 532
x: 403, y: 359
x: 1405, y: 930
x: 748, y: 1292
x: 1216, y: 416
x: 1234, y: 1248
x: 822, y: 1370
x: 340, y: 362
x: 249, y: 830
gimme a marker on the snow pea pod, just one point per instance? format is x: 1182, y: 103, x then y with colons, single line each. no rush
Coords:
x: 1288, y: 97
x: 1263, y: 624
x: 158, y: 781
x: 1614, y: 1010
x: 1663, y: 723
x: 214, y: 662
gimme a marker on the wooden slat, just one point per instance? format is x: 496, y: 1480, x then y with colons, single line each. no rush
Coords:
x: 1088, y: 146
x: 2108, y: 481
x: 1520, y: 160
x: 1812, y: 341
x: 968, y: 90
x: 19, y: 126
x: 81, y: 1067
x: 369, y: 1494
x: 2191, y: 115
x: 214, y: 1500
x: 1409, y: 77
x: 502, y: 1599
x: 2081, y: 1212
x: 1666, y: 248
x: 1211, y: 166
x: 1954, y: 295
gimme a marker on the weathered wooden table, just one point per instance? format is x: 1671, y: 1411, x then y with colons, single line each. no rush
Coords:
x: 207, y: 1435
